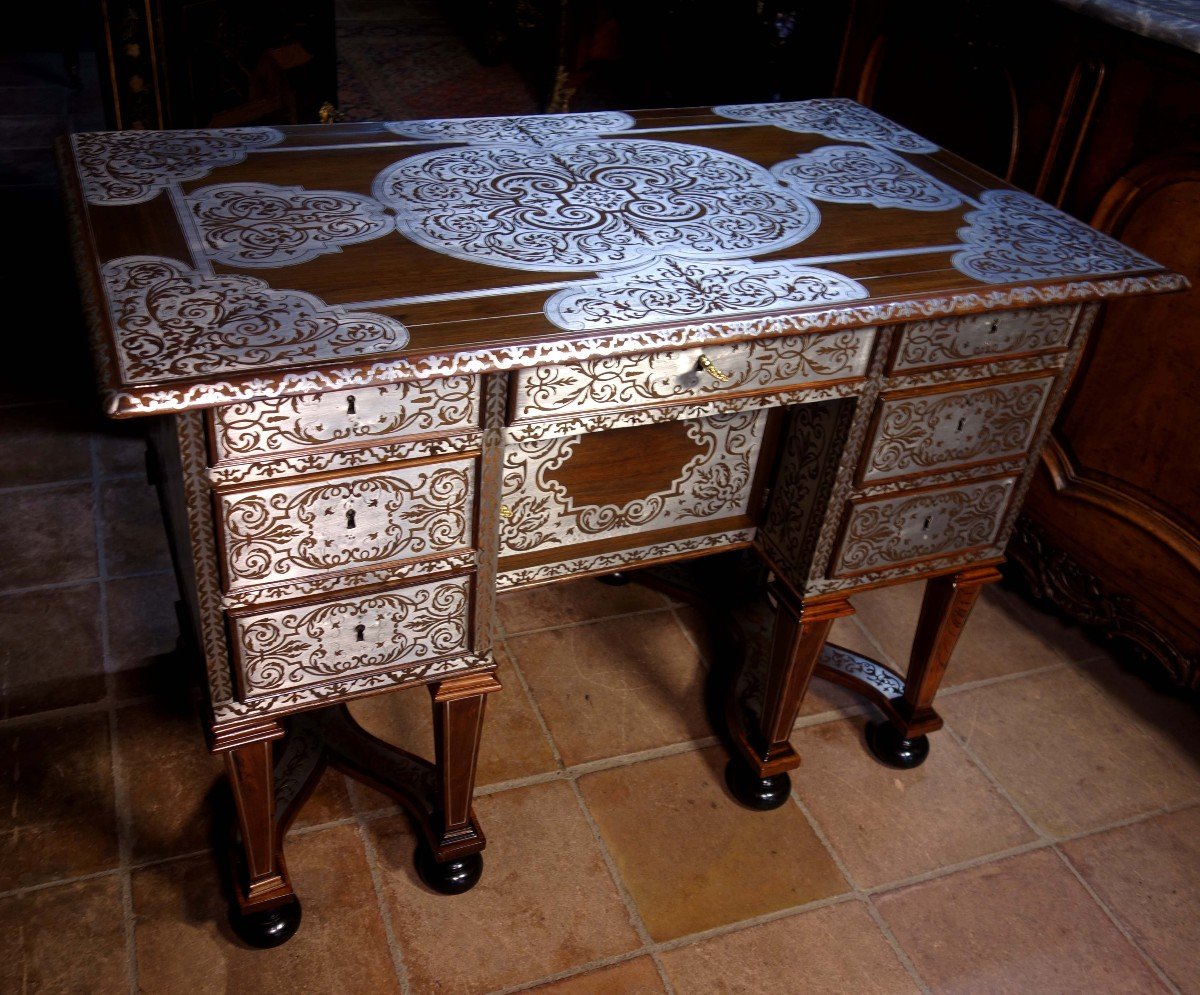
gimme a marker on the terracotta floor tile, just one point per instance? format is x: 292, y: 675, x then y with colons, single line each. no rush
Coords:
x: 824, y: 696
x: 69, y: 938
x: 184, y: 943
x: 1019, y: 925
x: 694, y: 859
x: 48, y: 536
x: 838, y: 949
x: 329, y: 802
x: 56, y: 791
x: 50, y: 650
x: 631, y: 977
x: 615, y: 686
x: 572, y: 601
x: 1149, y: 876
x: 1005, y: 634
x: 135, y: 540
x: 513, y: 743
x: 142, y: 625
x: 43, y: 443
x: 545, y: 903
x: 889, y: 824
x: 1072, y: 756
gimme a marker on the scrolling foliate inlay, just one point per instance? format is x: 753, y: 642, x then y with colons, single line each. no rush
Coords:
x: 936, y: 523
x: 532, y: 129
x: 849, y: 174
x: 669, y: 289
x: 301, y: 529
x: 298, y: 647
x: 170, y: 320
x: 1014, y: 236
x: 281, y: 425
x: 591, y: 205
x: 943, y: 341
x: 833, y: 117
x: 129, y: 167
x: 920, y: 434
x: 543, y: 514
x: 262, y: 225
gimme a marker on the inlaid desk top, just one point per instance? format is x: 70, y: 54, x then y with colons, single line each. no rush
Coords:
x: 228, y: 264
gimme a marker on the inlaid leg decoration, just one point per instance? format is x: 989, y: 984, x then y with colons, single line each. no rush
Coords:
x: 760, y: 721
x: 267, y: 911
x: 901, y: 739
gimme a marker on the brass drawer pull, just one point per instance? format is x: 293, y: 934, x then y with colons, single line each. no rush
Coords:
x: 709, y: 367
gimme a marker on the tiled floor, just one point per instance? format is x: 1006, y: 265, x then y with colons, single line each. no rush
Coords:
x: 1049, y: 844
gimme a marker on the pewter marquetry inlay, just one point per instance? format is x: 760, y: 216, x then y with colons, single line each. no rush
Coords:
x: 896, y: 530
x: 668, y: 289
x: 263, y: 225
x: 849, y: 174
x: 530, y: 129
x: 591, y: 205
x: 834, y: 117
x: 294, y: 648
x: 287, y: 424
x: 924, y: 434
x: 172, y: 321
x: 713, y: 483
x: 1014, y: 236
x: 295, y: 530
x: 129, y: 167
x: 944, y: 341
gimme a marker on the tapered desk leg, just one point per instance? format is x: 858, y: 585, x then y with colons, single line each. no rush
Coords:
x: 758, y: 777
x: 901, y: 740
x: 453, y: 864
x: 268, y: 912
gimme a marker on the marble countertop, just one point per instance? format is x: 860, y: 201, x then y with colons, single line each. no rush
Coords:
x: 1176, y: 22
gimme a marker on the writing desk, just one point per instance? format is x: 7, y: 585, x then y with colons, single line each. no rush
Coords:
x: 407, y: 365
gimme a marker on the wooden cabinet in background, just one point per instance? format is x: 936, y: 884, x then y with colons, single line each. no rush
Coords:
x: 1105, y: 124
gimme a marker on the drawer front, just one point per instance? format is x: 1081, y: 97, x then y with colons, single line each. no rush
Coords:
x: 890, y: 531
x: 689, y: 374
x: 935, y: 432
x: 946, y: 341
x: 336, y: 417
x: 306, y: 528
x: 299, y: 647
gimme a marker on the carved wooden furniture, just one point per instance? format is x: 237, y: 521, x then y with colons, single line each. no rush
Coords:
x: 406, y: 365
x: 1100, y: 115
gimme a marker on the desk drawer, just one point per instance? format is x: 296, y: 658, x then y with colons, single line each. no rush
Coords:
x: 931, y: 432
x: 977, y: 337
x: 283, y: 425
x: 890, y: 531
x: 307, y: 645
x: 311, y: 527
x: 649, y: 379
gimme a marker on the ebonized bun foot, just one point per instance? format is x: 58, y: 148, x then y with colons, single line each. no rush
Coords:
x: 267, y: 929
x: 760, y: 793
x: 889, y: 747
x: 451, y: 877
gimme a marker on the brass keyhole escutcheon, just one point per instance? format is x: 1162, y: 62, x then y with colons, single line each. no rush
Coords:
x: 709, y: 367
x: 505, y: 511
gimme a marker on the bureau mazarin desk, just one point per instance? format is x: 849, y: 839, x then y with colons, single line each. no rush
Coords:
x: 407, y: 365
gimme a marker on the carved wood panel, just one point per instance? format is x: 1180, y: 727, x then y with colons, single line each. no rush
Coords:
x: 298, y: 647
x: 967, y: 338
x: 904, y: 528
x: 934, y: 432
x: 312, y: 527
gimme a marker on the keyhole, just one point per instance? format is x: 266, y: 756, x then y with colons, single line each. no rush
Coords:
x: 350, y: 405
x: 928, y: 522
x: 992, y: 326
x: 358, y: 631
x: 350, y: 519
x: 961, y: 423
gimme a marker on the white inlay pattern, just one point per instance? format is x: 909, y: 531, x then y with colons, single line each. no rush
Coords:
x: 1015, y: 236
x: 591, y: 205
x: 669, y: 289
x: 129, y: 167
x: 263, y: 225
x: 834, y: 117
x: 539, y: 129
x: 851, y: 174
x: 170, y: 321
